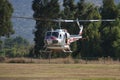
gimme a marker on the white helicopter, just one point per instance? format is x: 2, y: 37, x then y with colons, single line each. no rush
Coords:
x: 60, y: 39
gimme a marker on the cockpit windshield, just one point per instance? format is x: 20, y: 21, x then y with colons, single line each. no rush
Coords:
x: 55, y: 34
x: 48, y: 34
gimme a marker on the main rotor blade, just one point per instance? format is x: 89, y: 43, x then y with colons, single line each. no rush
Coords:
x: 103, y: 20
x: 42, y: 19
x: 62, y: 20
x: 31, y: 18
x: 69, y: 21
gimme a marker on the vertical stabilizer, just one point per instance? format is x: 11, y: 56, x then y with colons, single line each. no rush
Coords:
x: 81, y: 29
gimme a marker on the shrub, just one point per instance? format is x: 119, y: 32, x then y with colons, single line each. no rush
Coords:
x: 2, y: 59
x: 16, y: 61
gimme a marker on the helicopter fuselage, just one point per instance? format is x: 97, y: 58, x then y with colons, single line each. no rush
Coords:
x: 57, y: 39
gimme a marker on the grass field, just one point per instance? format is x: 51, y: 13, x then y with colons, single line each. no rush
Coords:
x: 59, y: 71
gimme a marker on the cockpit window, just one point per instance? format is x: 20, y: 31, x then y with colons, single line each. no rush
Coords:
x: 55, y: 34
x: 48, y: 33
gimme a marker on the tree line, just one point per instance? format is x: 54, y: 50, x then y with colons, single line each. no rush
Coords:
x: 15, y: 47
x: 102, y: 39
x: 10, y: 47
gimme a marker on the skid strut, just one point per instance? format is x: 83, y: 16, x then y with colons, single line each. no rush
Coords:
x: 49, y: 52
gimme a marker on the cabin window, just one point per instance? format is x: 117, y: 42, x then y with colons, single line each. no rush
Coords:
x: 55, y: 34
x: 60, y: 36
x: 48, y: 33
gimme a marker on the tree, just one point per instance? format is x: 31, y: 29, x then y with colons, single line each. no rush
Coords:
x: 108, y: 29
x: 109, y: 10
x: 43, y: 9
x: 19, y: 41
x: 116, y: 42
x: 116, y: 31
x: 81, y: 9
x: 118, y: 6
x: 6, y: 11
x: 69, y: 12
x: 16, y: 47
x: 90, y: 47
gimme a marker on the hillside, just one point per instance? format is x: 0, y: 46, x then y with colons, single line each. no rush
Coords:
x: 25, y: 27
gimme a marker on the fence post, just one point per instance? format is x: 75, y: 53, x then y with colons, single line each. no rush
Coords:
x: 31, y: 59
x: 86, y: 60
x: 49, y: 57
x: 104, y: 60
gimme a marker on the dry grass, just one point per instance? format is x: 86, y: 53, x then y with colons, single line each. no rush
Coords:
x: 59, y: 71
x: 67, y: 60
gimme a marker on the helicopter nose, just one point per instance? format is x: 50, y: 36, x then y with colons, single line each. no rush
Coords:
x: 55, y: 41
x: 53, y: 38
x: 48, y: 42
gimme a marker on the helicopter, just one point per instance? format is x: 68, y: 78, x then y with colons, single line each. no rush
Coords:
x: 59, y: 40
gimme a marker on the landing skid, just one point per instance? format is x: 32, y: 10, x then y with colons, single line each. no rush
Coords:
x: 45, y: 50
x: 67, y: 51
x: 49, y: 52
